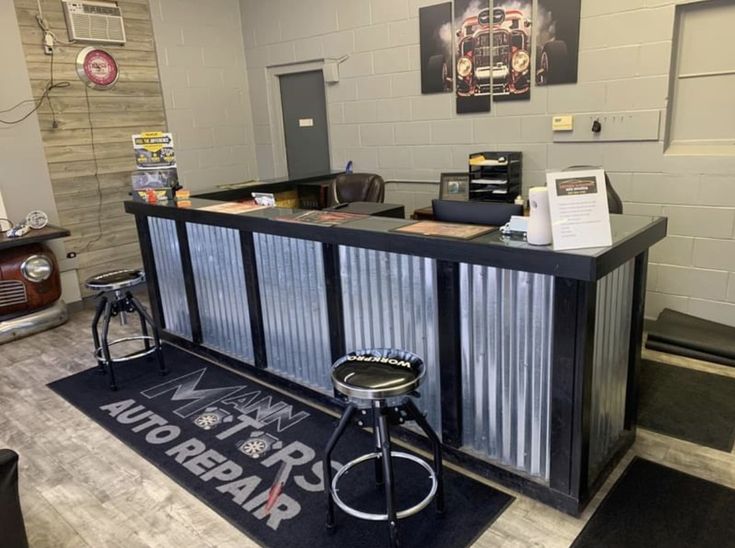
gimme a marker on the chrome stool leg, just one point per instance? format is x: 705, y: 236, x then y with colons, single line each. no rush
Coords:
x: 379, y: 478
x: 415, y: 414
x: 341, y: 427
x: 105, y: 347
x: 100, y: 307
x: 388, y: 477
x: 145, y: 317
x: 134, y: 305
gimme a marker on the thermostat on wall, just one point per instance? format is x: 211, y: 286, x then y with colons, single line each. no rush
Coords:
x: 562, y: 123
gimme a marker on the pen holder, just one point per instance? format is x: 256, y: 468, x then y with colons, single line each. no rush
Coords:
x: 539, y: 223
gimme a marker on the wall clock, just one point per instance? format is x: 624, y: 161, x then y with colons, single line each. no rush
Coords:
x: 97, y: 68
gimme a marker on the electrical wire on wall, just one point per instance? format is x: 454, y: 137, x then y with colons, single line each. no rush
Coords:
x: 45, y: 96
x: 49, y: 41
x: 96, y: 174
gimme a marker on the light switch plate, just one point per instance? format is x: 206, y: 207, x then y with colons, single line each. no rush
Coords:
x: 563, y: 122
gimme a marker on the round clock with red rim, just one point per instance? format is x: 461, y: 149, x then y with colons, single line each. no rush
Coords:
x: 97, y: 68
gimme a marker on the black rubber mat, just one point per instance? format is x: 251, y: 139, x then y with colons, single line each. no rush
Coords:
x: 686, y: 335
x: 654, y: 506
x: 690, y: 405
x: 254, y: 456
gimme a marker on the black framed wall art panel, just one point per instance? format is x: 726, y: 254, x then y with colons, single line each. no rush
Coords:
x: 473, y: 80
x: 512, y: 46
x: 435, y: 39
x: 557, y: 41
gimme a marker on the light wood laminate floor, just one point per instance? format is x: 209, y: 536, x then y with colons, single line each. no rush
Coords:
x: 80, y: 486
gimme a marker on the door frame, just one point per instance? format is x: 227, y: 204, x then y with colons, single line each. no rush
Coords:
x: 275, y: 112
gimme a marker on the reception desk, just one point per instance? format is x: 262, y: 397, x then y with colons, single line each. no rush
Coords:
x: 532, y: 355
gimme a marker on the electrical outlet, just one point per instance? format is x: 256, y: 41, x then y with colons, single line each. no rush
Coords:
x: 48, y: 43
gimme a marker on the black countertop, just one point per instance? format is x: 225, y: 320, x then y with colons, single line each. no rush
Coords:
x: 632, y: 235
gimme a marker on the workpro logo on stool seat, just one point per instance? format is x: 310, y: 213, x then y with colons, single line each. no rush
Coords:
x: 378, y: 373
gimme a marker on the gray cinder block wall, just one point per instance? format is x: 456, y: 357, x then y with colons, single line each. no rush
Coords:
x: 379, y: 119
x: 205, y: 90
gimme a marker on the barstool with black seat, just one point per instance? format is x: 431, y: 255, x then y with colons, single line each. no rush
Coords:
x: 114, y: 298
x: 383, y: 380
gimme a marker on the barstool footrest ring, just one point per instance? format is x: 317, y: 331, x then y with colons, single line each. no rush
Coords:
x: 383, y: 517
x: 98, y: 354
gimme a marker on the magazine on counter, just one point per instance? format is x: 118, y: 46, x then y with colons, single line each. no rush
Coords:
x: 323, y: 218
x: 446, y: 230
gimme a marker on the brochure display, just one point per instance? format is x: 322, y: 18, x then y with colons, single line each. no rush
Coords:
x: 156, y: 178
x: 578, y: 209
x: 154, y: 150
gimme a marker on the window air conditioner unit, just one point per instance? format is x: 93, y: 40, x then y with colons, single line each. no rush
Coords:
x: 94, y: 22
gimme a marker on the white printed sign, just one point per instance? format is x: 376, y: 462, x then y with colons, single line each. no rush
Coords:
x: 578, y: 209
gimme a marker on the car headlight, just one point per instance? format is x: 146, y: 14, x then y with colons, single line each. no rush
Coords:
x: 520, y: 61
x: 464, y: 66
x: 37, y: 268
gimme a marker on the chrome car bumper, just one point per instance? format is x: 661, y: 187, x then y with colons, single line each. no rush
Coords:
x: 501, y: 73
x: 34, y: 322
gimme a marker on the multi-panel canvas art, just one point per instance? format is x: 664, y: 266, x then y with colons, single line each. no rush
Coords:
x: 486, y: 48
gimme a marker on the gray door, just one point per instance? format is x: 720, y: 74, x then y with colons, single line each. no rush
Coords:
x: 305, y: 123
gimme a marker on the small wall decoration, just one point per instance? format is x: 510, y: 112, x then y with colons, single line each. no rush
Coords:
x: 473, y: 74
x: 435, y: 33
x: 512, y: 39
x: 97, y: 68
x: 557, y: 41
x: 455, y: 186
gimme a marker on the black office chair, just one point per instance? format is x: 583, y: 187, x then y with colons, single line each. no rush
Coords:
x: 475, y: 213
x: 12, y: 528
x: 614, y: 203
x: 358, y: 187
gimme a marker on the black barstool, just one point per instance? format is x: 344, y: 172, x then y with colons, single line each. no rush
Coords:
x: 382, y: 380
x: 115, y: 299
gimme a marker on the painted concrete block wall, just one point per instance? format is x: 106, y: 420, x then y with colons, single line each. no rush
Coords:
x: 205, y: 90
x: 379, y: 119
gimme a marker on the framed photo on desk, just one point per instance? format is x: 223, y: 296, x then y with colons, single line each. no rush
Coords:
x: 454, y: 186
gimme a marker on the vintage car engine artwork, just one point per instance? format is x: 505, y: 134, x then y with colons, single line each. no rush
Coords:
x: 493, y: 54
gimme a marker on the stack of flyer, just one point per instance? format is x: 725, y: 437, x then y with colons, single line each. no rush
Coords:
x: 156, y: 178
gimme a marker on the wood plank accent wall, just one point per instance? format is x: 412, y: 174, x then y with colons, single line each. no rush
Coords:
x: 135, y: 104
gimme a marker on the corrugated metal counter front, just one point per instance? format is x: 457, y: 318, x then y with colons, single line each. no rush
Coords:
x: 530, y: 374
